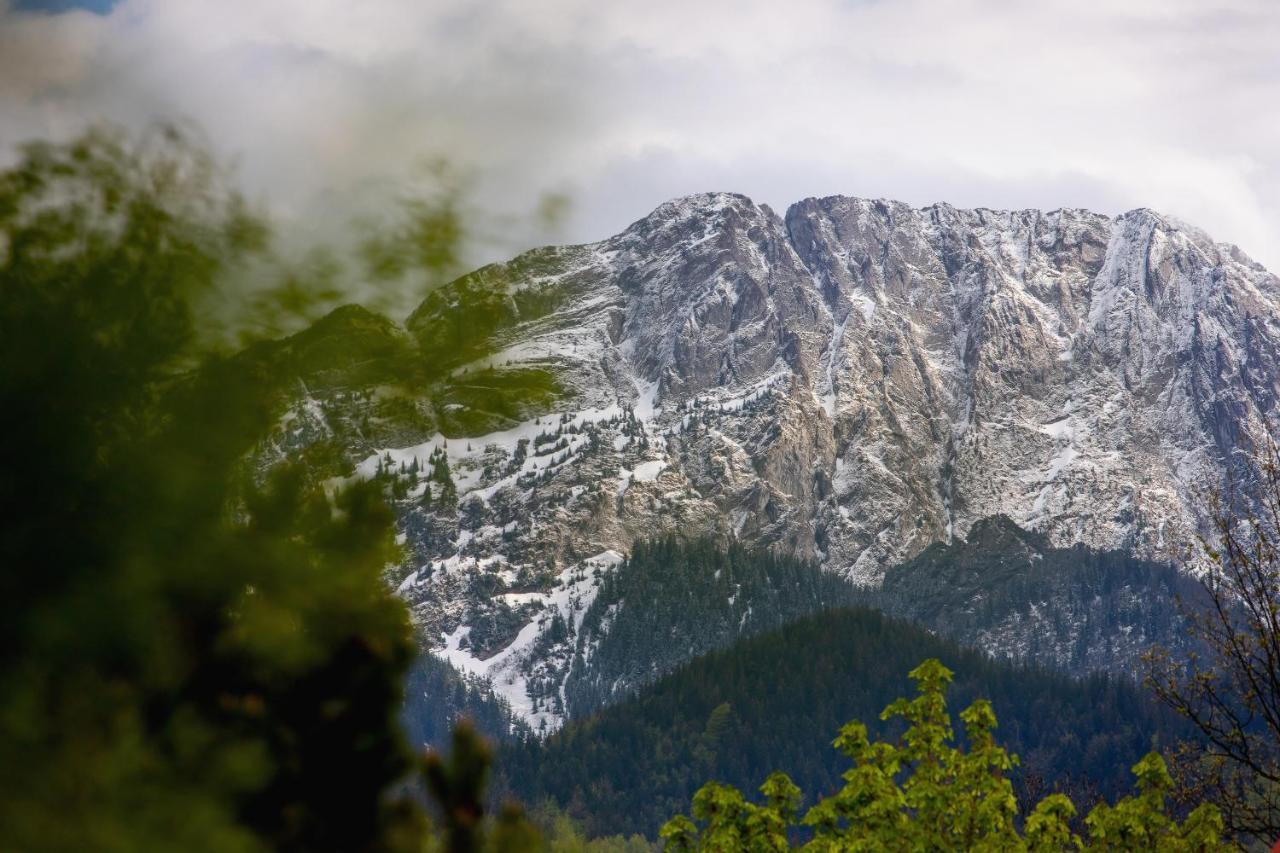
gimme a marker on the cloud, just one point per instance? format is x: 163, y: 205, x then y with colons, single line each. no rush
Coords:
x: 1167, y: 104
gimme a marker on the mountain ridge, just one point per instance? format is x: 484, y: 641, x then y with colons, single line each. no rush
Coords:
x: 846, y: 383
x: 653, y: 347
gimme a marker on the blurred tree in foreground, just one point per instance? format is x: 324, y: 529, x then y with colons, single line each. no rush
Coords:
x: 190, y: 658
x: 924, y: 793
x: 1231, y: 690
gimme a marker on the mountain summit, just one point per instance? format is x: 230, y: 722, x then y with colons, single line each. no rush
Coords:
x: 859, y: 378
x: 847, y: 383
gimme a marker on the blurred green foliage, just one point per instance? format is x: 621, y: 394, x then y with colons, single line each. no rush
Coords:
x: 427, y: 238
x: 191, y: 657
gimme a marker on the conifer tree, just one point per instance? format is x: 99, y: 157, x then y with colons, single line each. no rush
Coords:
x: 922, y: 792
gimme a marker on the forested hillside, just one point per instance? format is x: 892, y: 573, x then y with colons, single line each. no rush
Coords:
x: 437, y: 696
x: 671, y: 601
x: 1004, y: 591
x: 1009, y: 592
x: 773, y: 702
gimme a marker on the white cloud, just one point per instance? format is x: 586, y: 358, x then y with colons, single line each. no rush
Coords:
x: 1170, y: 104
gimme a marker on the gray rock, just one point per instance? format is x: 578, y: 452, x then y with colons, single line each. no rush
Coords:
x: 855, y: 381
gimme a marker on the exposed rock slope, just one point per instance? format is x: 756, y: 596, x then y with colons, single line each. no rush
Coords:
x: 848, y: 383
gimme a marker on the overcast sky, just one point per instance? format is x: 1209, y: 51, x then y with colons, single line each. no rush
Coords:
x: 1169, y: 104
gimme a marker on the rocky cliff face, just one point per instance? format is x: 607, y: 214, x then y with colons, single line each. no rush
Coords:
x: 849, y: 383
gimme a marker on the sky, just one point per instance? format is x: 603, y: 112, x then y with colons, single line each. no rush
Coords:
x: 325, y: 106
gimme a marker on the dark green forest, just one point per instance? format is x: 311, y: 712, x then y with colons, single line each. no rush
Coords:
x: 668, y: 602
x: 773, y: 701
x: 437, y: 696
x: 1075, y: 609
x: 671, y: 601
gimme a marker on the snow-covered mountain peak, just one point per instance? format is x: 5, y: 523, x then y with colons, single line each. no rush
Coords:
x: 924, y: 367
x: 851, y: 382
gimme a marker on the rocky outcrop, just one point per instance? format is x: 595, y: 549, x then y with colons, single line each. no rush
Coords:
x: 850, y: 383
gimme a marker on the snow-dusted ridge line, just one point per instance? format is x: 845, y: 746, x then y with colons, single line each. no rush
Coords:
x: 850, y: 382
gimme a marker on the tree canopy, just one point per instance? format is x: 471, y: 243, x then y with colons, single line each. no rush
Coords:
x: 191, y: 650
x: 923, y: 792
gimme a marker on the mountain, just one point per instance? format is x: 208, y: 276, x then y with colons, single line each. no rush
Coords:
x: 847, y: 384
x: 776, y: 700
